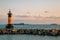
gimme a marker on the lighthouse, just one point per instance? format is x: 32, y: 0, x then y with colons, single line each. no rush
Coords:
x: 9, y: 25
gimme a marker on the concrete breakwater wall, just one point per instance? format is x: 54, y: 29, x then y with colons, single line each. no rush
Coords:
x: 52, y: 32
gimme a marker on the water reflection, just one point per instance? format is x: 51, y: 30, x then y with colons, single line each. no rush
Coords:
x: 9, y: 37
x: 6, y: 37
x: 28, y: 37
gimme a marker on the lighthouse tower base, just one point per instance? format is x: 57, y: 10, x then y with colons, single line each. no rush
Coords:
x: 9, y: 26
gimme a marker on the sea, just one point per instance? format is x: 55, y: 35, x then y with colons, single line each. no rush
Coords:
x: 30, y: 37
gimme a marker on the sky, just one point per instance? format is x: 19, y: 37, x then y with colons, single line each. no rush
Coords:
x: 30, y: 11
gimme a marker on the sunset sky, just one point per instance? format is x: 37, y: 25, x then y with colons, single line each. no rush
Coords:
x: 31, y: 11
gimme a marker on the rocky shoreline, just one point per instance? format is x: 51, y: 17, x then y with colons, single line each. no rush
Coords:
x: 52, y: 32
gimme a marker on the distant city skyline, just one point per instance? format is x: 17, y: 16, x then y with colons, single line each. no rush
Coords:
x: 31, y: 11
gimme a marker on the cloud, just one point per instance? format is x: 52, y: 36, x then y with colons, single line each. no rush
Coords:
x: 36, y: 20
x: 45, y: 11
x: 23, y: 16
x: 53, y: 17
x: 38, y: 17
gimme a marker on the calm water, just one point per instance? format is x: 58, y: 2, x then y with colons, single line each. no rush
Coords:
x: 30, y: 37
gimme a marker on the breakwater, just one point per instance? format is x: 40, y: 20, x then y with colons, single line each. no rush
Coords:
x: 52, y: 32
